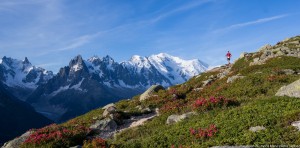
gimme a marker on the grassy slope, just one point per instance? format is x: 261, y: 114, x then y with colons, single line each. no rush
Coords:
x: 257, y: 107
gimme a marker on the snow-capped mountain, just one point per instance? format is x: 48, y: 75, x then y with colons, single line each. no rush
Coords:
x: 21, y: 77
x: 86, y: 84
x: 176, y: 70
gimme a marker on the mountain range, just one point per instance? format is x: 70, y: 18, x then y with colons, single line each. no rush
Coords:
x: 87, y: 84
x: 253, y: 102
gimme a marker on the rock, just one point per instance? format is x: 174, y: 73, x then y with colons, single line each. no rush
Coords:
x: 288, y: 71
x: 176, y: 118
x: 108, y: 105
x: 255, y: 59
x: 265, y: 47
x: 77, y: 146
x: 146, y: 110
x: 280, y: 53
x: 266, y: 54
x: 147, y: 94
x: 139, y: 107
x: 197, y: 89
x: 109, y: 110
x: 106, y: 124
x: 233, y: 78
x: 17, y: 141
x: 157, y: 111
x: 296, y: 124
x: 291, y: 90
x: 257, y: 128
x: 207, y: 82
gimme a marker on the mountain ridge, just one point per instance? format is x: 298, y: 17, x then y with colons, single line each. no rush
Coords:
x: 97, y: 81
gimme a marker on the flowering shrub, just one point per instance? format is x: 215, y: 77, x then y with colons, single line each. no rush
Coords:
x: 58, y: 136
x: 203, y: 133
x: 95, y: 143
x: 203, y: 104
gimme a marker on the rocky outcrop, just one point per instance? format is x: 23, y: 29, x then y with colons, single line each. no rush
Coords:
x: 289, y: 47
x: 257, y: 128
x: 291, y: 90
x: 148, y: 93
x: 176, y: 118
x: 17, y: 141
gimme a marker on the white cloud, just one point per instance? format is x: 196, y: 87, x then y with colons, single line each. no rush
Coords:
x: 185, y: 7
x: 250, y: 23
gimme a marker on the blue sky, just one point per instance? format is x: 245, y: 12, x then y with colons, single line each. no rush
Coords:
x: 51, y: 32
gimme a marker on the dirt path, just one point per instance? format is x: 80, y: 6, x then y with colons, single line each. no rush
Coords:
x: 136, y: 121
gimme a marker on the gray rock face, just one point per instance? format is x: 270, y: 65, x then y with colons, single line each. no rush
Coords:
x: 147, y: 94
x: 233, y: 78
x: 257, y: 128
x: 176, y: 118
x: 296, y: 124
x: 106, y: 124
x: 291, y: 90
x: 109, y: 110
x: 17, y: 141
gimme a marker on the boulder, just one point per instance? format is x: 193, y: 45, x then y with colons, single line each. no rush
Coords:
x: 233, y: 78
x: 17, y: 141
x: 291, y: 90
x: 176, y: 118
x: 109, y: 110
x: 207, y: 82
x: 147, y: 94
x: 107, y: 124
x: 266, y: 55
x: 108, y: 105
x: 257, y: 128
x: 146, y: 110
x: 296, y: 124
